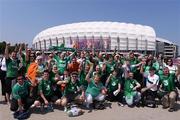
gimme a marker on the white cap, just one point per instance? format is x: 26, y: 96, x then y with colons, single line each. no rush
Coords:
x: 38, y: 57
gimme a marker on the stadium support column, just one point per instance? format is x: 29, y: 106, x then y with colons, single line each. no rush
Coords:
x: 156, y: 48
x: 174, y: 52
x: 50, y: 41
x: 146, y: 44
x: 127, y: 44
x: 63, y: 40
x: 118, y: 41
x: 137, y: 44
x: 93, y: 42
x: 44, y: 44
x: 56, y: 41
x: 36, y: 44
x: 85, y: 42
x: 40, y: 45
x: 101, y: 43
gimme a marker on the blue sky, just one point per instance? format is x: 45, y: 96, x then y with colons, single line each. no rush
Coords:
x: 21, y: 20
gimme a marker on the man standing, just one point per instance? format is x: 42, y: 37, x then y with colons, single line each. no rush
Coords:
x: 12, y: 65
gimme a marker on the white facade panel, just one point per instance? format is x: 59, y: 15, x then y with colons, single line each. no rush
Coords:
x: 109, y: 30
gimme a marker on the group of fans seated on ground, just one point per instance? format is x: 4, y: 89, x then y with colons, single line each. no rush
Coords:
x: 87, y: 78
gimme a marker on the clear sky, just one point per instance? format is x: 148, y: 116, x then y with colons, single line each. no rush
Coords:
x: 21, y: 20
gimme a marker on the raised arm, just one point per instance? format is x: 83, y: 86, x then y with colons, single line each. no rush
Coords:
x: 20, y: 50
x: 107, y: 81
x: 7, y: 51
x: 27, y: 53
x: 89, y: 73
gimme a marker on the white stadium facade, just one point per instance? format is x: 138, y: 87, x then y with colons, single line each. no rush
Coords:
x: 105, y: 36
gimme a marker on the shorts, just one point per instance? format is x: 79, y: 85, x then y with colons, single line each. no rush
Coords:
x: 49, y: 99
x: 9, y: 83
x: 72, y: 97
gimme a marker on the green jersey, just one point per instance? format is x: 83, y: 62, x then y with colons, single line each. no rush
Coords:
x: 45, y: 86
x: 113, y: 84
x: 129, y: 85
x: 72, y: 88
x: 61, y: 64
x: 134, y: 62
x: 52, y: 77
x: 168, y: 82
x: 110, y: 67
x: 20, y: 91
x: 82, y: 80
x: 94, y: 89
x: 12, y: 67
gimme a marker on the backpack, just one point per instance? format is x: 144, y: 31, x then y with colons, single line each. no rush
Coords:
x: 99, y: 105
x: 21, y: 115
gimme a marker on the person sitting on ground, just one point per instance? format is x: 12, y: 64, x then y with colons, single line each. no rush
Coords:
x: 149, y: 93
x: 46, y: 94
x: 114, y: 88
x: 132, y: 96
x: 21, y: 92
x: 73, y: 92
x: 95, y: 89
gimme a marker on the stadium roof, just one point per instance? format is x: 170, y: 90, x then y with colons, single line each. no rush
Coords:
x: 93, y: 27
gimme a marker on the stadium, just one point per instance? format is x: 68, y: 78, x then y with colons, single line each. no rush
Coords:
x: 105, y: 36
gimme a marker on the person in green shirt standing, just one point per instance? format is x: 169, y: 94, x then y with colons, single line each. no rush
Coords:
x: 21, y: 93
x: 168, y: 89
x: 62, y: 61
x: 12, y: 64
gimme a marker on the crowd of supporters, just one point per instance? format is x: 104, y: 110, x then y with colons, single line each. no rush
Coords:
x: 32, y: 79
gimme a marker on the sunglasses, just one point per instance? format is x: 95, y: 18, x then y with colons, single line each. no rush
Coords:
x: 74, y: 76
x: 20, y: 79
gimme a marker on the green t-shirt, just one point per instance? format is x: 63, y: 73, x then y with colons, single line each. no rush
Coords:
x: 61, y: 64
x: 134, y: 62
x: 82, y: 80
x: 46, y: 87
x: 20, y: 91
x: 113, y: 84
x: 52, y: 77
x: 146, y: 70
x: 72, y: 88
x: 168, y: 82
x: 12, y: 67
x: 129, y: 85
x: 110, y: 67
x: 94, y: 89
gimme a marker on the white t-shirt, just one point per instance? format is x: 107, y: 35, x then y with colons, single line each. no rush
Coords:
x: 152, y: 80
x: 3, y: 64
x: 172, y: 69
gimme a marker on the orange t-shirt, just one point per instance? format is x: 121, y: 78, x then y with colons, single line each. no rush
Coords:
x: 73, y: 67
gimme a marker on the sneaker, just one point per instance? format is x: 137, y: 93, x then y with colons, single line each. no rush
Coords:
x: 120, y: 104
x: 50, y: 107
x: 171, y: 109
x: 88, y: 106
x: 32, y: 106
x: 65, y: 109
